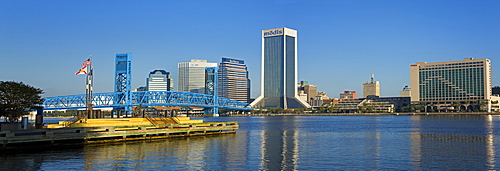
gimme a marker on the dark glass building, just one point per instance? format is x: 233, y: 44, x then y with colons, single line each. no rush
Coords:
x: 279, y: 70
x: 496, y: 90
x: 233, y: 80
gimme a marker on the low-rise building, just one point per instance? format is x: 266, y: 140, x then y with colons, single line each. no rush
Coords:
x: 406, y: 92
x: 348, y: 95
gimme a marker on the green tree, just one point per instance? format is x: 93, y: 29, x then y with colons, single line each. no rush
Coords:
x: 483, y: 105
x: 16, y: 98
x: 137, y: 111
x: 456, y: 106
x: 370, y: 108
x: 333, y: 108
x: 362, y: 108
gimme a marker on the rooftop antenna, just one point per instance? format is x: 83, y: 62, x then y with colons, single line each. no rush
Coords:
x: 476, y: 53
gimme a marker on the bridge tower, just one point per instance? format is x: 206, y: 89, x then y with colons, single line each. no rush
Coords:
x: 211, y: 89
x: 123, y: 82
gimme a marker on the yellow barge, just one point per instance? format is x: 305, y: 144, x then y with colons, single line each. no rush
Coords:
x: 88, y: 131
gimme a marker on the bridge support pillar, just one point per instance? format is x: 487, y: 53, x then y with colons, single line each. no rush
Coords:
x: 213, y: 111
x: 211, y: 84
x: 39, y: 118
x: 123, y: 82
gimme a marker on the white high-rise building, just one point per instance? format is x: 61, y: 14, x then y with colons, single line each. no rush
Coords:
x: 159, y: 80
x: 371, y: 88
x: 192, y: 76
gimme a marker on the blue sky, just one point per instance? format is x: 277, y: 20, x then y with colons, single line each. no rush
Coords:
x: 340, y: 43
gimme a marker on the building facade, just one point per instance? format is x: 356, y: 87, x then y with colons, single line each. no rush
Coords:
x: 141, y: 88
x: 310, y: 90
x: 406, y: 92
x: 279, y: 70
x: 372, y: 104
x: 159, y: 80
x: 323, y: 95
x: 348, y: 95
x: 495, y: 90
x: 371, y: 88
x: 191, y: 76
x: 233, y: 80
x: 442, y: 83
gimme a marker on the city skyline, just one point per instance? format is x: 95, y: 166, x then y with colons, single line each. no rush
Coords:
x: 382, y: 38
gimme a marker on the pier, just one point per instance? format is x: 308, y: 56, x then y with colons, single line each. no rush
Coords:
x: 94, y: 131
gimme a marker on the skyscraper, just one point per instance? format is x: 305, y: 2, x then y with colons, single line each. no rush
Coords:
x: 371, y: 88
x: 233, y: 80
x: 192, y: 75
x: 279, y: 70
x: 159, y: 80
x: 464, y: 81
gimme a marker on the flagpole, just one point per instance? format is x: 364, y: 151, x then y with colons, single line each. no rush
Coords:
x: 90, y: 79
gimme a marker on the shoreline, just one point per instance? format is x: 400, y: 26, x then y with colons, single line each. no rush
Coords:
x: 327, y: 114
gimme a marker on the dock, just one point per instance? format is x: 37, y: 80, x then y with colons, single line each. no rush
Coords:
x: 92, y: 131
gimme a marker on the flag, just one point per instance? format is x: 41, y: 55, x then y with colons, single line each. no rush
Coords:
x: 82, y: 71
x: 87, y: 62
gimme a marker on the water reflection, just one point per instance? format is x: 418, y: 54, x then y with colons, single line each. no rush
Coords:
x: 453, y: 142
x: 446, y: 142
x: 279, y: 145
x: 490, y: 144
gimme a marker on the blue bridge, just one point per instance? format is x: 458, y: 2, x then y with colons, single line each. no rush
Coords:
x: 144, y: 98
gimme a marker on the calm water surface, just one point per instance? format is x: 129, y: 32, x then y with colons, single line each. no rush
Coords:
x: 451, y: 142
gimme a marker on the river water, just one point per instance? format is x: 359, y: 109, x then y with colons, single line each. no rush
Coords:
x: 437, y: 142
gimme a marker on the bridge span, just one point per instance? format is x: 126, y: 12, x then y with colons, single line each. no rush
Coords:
x: 144, y: 98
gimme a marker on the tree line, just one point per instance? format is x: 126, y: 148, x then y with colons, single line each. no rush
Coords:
x: 17, y: 99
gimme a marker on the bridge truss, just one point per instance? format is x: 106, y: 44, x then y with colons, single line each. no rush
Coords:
x: 144, y: 98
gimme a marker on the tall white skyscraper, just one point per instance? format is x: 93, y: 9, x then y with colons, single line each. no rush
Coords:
x: 159, y: 80
x: 192, y: 75
x: 279, y: 70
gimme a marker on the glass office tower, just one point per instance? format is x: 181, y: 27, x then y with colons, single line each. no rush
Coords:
x: 233, y: 80
x: 279, y: 70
